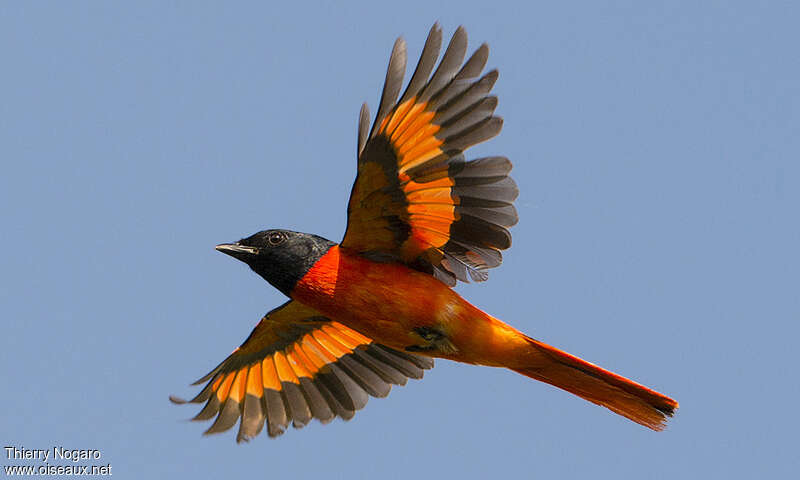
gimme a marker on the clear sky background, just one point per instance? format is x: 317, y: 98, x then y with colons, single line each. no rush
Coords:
x: 656, y: 150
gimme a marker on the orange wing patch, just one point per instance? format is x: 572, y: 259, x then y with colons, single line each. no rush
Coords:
x: 297, y: 365
x: 415, y: 198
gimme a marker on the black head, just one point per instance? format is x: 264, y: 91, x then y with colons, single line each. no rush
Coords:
x: 281, y: 257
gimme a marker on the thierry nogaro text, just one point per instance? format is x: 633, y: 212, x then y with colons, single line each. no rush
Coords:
x: 55, y: 453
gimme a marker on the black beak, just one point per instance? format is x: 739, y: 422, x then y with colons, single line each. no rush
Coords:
x: 237, y: 251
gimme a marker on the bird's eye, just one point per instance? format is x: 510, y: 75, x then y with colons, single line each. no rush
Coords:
x: 276, y: 238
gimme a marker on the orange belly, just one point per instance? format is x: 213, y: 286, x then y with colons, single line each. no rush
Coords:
x: 400, y: 307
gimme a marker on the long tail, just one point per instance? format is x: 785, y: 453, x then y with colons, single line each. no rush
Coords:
x: 590, y: 382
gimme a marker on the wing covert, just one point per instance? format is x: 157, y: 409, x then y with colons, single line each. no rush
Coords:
x: 297, y: 365
x: 416, y: 199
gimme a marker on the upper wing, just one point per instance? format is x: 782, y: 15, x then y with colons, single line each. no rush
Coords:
x: 415, y: 198
x: 297, y: 365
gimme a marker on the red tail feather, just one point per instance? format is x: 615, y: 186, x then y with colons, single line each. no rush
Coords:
x: 590, y: 382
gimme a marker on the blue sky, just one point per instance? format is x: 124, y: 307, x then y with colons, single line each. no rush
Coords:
x: 656, y: 150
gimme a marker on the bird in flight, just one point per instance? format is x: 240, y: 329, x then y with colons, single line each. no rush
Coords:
x: 377, y: 308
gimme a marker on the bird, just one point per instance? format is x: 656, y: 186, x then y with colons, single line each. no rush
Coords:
x: 375, y: 309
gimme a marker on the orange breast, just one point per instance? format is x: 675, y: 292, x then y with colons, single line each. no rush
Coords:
x: 387, y: 301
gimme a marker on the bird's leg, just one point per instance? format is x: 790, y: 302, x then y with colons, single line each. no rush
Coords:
x: 433, y: 340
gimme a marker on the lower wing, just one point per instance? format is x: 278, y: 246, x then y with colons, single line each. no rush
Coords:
x: 297, y: 365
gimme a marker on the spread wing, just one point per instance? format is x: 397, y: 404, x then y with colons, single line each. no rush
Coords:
x: 297, y: 365
x: 416, y: 199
